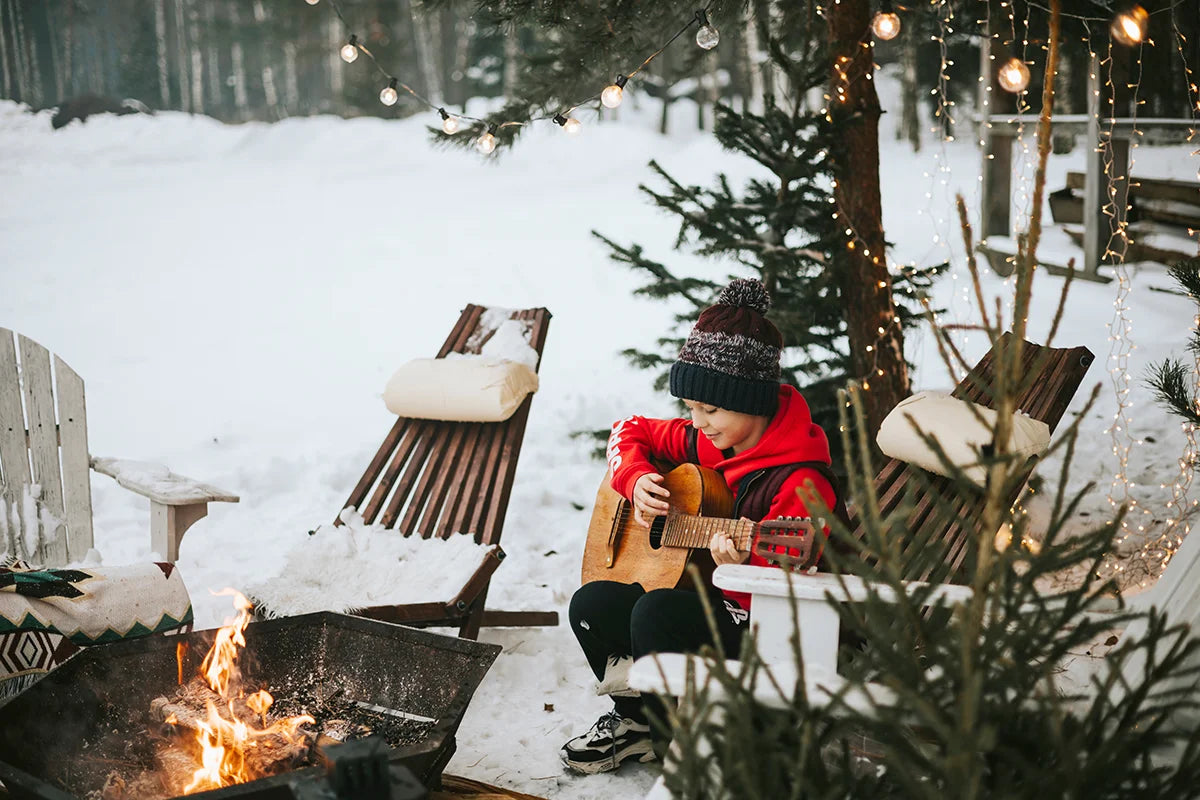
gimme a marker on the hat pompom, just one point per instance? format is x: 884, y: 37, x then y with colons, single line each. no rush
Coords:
x: 746, y: 293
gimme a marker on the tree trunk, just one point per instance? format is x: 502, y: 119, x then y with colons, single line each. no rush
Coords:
x: 291, y: 87
x: 748, y: 55
x: 910, y: 115
x: 270, y: 93
x: 512, y: 50
x: 213, y: 57
x: 196, y: 57
x: 337, y: 80
x: 426, y: 63
x: 237, y: 64
x: 5, y: 72
x: 160, y: 37
x: 181, y: 50
x: 19, y: 61
x: 876, y: 339
x: 463, y: 32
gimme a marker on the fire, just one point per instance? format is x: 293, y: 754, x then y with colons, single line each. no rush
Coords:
x: 226, y: 739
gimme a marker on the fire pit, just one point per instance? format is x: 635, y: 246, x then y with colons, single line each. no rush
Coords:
x: 63, y: 737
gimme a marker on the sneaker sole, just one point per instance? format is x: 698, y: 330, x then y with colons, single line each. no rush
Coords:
x: 607, y: 764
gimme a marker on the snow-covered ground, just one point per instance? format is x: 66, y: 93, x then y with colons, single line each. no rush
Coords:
x: 235, y: 298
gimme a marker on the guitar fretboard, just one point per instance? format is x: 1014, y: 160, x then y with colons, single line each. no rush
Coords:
x: 685, y: 530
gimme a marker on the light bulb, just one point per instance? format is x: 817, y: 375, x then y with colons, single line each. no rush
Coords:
x: 1013, y: 76
x: 486, y: 143
x: 350, y: 50
x: 568, y: 124
x: 707, y: 37
x: 1129, y: 27
x: 389, y: 96
x: 885, y: 25
x: 450, y: 125
x: 312, y: 2
x: 611, y: 96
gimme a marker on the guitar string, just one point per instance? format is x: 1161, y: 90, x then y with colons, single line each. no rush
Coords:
x: 742, y: 540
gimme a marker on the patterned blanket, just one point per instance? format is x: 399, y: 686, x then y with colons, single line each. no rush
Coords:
x: 47, y: 614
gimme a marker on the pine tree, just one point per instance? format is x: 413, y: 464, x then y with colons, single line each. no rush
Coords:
x: 779, y: 228
x: 1173, y: 381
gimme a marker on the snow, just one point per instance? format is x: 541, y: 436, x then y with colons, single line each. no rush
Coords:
x: 355, y: 565
x: 235, y: 297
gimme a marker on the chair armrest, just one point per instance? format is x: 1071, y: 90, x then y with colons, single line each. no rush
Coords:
x: 818, y: 586
x: 668, y: 673
x: 159, y: 484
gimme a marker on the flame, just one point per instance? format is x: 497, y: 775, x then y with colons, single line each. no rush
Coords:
x: 220, y: 662
x: 225, y: 739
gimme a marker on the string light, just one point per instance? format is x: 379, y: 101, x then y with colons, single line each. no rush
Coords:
x: 1129, y: 27
x: 568, y: 124
x: 487, y: 143
x: 389, y: 95
x: 613, y: 93
x: 886, y: 22
x: 707, y: 36
x: 449, y: 122
x: 1013, y: 76
x: 312, y: 2
x: 350, y: 50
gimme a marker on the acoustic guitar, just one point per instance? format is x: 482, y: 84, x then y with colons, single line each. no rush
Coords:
x: 619, y: 548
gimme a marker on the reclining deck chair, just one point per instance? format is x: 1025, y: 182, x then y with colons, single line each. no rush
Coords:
x: 45, y: 488
x: 1061, y: 372
x: 437, y: 478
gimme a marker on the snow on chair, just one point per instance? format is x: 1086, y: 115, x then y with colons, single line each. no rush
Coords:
x: 45, y: 486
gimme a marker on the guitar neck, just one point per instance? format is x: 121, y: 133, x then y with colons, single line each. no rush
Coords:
x: 687, y: 530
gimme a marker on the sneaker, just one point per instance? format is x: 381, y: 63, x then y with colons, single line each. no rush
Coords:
x: 607, y: 743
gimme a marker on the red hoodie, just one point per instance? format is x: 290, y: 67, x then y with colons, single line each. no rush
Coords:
x: 790, y: 437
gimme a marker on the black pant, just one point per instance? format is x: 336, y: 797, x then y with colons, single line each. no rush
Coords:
x: 618, y: 619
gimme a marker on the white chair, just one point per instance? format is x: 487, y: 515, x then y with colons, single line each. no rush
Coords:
x: 45, y: 487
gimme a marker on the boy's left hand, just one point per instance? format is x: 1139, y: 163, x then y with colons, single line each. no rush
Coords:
x: 724, y: 552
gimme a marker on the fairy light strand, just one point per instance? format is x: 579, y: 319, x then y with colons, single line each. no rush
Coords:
x: 699, y: 18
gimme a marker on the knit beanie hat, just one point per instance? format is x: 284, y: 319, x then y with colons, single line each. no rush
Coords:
x: 731, y: 357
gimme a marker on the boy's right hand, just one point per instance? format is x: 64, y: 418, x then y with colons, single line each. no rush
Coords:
x: 649, y: 498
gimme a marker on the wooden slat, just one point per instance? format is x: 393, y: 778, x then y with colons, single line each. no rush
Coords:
x: 359, y: 493
x: 14, y: 453
x: 430, y: 468
x: 412, y: 433
x: 72, y: 436
x: 469, y: 501
x: 43, y: 439
x: 457, y: 495
x: 453, y: 458
x: 412, y: 472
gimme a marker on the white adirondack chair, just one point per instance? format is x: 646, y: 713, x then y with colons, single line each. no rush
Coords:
x: 45, y: 488
x: 773, y: 609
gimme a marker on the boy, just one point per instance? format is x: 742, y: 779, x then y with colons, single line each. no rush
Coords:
x: 759, y: 435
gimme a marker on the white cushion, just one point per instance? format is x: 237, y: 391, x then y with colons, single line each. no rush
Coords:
x: 463, y: 389
x: 962, y: 434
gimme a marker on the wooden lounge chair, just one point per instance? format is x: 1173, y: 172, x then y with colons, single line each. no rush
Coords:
x: 436, y: 478
x: 45, y: 488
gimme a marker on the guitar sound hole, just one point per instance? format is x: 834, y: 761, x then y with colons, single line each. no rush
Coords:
x: 656, y: 531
